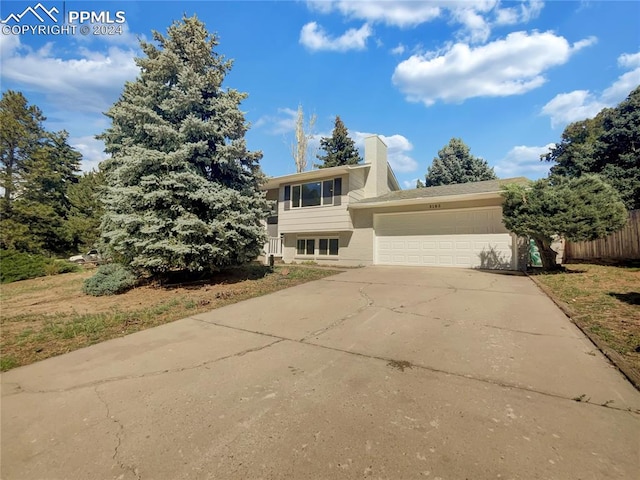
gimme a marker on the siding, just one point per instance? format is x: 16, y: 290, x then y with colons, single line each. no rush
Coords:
x: 356, y: 184
x: 314, y: 219
x: 329, y: 218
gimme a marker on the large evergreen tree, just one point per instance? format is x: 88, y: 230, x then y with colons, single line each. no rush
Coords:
x: 86, y: 210
x: 578, y: 209
x: 21, y: 133
x: 38, y: 168
x: 608, y: 144
x: 339, y: 148
x: 182, y: 188
x: 455, y: 164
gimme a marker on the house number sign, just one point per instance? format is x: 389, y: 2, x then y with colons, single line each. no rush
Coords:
x: 434, y: 205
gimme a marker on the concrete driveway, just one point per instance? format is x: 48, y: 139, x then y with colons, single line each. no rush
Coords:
x: 379, y: 372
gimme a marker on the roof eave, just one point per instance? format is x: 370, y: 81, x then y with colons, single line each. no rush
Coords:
x: 275, y: 182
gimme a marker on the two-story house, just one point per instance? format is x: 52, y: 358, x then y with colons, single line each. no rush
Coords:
x: 358, y: 215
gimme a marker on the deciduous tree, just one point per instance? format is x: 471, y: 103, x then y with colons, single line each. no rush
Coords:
x: 300, y: 149
x: 608, y: 144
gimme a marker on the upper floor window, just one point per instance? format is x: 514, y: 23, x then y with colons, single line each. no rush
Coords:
x: 313, y: 194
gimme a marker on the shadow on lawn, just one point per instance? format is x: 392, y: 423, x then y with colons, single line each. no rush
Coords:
x: 227, y: 276
x: 632, y: 298
x: 562, y: 270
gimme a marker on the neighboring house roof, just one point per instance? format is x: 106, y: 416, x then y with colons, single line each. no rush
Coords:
x: 275, y: 182
x: 470, y: 190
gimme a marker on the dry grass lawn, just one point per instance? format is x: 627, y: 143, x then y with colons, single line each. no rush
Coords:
x: 48, y: 316
x: 606, y: 301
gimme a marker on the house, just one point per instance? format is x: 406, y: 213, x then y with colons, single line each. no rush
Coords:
x: 358, y: 215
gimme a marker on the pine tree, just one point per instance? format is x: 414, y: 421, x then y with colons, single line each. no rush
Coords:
x: 182, y: 188
x: 20, y: 135
x: 577, y: 209
x: 339, y: 148
x: 455, y: 164
x: 86, y: 210
x: 37, y: 169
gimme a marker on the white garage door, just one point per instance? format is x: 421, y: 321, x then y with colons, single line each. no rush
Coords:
x: 463, y: 238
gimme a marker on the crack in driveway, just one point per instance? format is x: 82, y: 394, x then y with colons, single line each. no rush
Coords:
x: 103, y: 381
x: 119, y: 433
x: 531, y: 333
x: 341, y: 320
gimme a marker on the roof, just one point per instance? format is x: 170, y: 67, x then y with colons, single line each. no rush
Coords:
x: 442, y: 192
x: 275, y: 182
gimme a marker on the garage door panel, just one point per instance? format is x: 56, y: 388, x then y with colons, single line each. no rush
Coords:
x: 456, y: 239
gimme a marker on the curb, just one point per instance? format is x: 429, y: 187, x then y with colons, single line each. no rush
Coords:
x: 614, y: 357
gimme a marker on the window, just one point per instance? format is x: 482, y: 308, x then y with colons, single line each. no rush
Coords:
x: 306, y: 246
x: 314, y: 194
x: 326, y: 246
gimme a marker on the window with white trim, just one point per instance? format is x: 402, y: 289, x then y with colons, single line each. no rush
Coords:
x: 314, y: 194
x: 321, y: 247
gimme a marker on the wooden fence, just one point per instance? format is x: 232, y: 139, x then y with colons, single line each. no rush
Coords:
x: 621, y: 245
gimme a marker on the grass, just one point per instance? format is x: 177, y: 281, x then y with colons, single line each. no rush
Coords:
x: 50, y: 316
x: 606, y: 302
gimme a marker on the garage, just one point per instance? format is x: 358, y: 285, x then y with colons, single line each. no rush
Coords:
x: 466, y: 238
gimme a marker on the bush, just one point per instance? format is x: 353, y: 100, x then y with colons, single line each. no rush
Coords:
x: 109, y: 279
x: 56, y: 267
x: 16, y: 266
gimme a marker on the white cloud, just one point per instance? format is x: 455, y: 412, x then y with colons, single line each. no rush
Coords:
x: 396, y: 13
x: 476, y: 27
x: 92, y: 151
x: 398, y: 148
x: 629, y: 60
x: 565, y: 108
x: 9, y: 44
x: 510, y: 66
x: 577, y: 105
x: 523, y: 161
x: 398, y: 50
x: 410, y: 184
x: 315, y: 38
x: 586, y: 42
x: 477, y: 17
x: 283, y: 122
x: 522, y: 13
x: 90, y: 82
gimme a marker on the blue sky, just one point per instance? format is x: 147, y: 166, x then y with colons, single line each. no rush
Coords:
x: 506, y: 77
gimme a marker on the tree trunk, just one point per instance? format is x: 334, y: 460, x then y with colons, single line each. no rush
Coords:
x: 547, y: 254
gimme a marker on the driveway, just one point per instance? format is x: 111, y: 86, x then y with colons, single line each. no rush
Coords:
x: 379, y: 372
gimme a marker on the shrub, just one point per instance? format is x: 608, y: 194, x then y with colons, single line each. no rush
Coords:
x: 56, y: 267
x: 16, y: 266
x: 109, y: 279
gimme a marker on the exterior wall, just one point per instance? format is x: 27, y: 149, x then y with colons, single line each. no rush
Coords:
x: 375, y: 154
x: 327, y: 218
x: 357, y: 245
x: 357, y: 180
x: 356, y: 248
